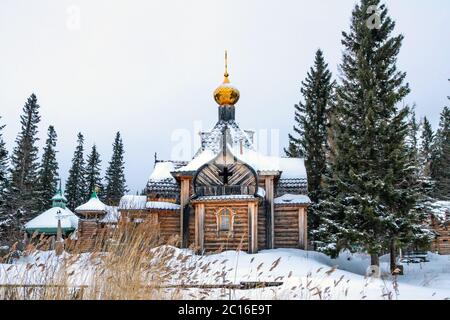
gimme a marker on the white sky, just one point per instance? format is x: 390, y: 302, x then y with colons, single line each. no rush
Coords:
x: 148, y: 68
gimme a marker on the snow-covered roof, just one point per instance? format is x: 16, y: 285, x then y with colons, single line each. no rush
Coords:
x: 292, y: 199
x: 94, y: 204
x: 48, y: 220
x: 441, y: 210
x: 141, y: 203
x: 112, y: 215
x: 290, y: 168
x: 240, y: 143
x: 130, y: 202
x: 202, y: 158
x: 160, y: 205
x: 162, y: 171
x: 162, y: 182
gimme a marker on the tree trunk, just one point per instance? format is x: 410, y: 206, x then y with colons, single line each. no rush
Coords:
x: 393, y: 256
x: 374, y: 260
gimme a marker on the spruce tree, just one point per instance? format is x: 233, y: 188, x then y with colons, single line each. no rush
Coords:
x: 369, y: 201
x: 115, y: 174
x: 22, y: 202
x: 420, y: 183
x: 93, y: 173
x: 312, y: 121
x: 440, y: 170
x: 48, y: 173
x: 3, y: 175
x: 424, y: 163
x: 427, y: 137
x: 412, y: 141
x: 311, y: 117
x: 76, y: 189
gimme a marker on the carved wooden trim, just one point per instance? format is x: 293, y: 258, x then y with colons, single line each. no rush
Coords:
x: 232, y: 214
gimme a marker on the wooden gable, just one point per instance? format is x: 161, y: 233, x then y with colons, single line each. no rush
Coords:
x: 225, y: 175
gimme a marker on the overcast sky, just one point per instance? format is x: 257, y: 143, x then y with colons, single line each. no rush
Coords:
x: 148, y: 68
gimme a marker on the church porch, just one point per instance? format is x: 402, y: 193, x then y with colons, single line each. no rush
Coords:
x: 226, y: 223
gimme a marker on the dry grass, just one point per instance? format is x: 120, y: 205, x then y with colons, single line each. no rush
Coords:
x: 123, y: 264
x: 129, y: 263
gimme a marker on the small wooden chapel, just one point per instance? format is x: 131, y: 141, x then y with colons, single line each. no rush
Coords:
x: 229, y: 196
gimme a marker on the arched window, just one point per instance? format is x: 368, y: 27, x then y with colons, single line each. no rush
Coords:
x: 225, y: 220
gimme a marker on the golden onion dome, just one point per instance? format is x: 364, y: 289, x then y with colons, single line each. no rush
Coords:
x: 226, y: 94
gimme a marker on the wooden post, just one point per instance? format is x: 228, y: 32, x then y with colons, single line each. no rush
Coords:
x: 302, y: 229
x: 200, y: 227
x: 59, y: 248
x: 25, y: 239
x: 253, y: 228
x: 184, y: 198
x: 270, y: 219
x: 305, y: 227
x: 52, y: 243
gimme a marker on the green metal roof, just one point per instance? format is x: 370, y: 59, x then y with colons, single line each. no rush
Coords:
x: 59, y: 197
x: 49, y: 231
x: 94, y: 195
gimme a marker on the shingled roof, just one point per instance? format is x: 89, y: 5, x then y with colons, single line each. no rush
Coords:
x: 162, y: 182
x: 292, y: 171
x: 212, y: 140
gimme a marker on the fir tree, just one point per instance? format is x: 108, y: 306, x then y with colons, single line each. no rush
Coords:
x: 76, y: 189
x: 311, y: 127
x: 93, y: 173
x: 48, y: 172
x: 440, y: 170
x: 115, y: 175
x: 21, y: 200
x: 369, y: 204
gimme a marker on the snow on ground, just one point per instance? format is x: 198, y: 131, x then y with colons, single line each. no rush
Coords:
x: 311, y: 275
x: 305, y: 275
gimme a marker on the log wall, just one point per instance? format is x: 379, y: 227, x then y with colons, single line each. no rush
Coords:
x: 90, y: 234
x: 131, y: 215
x: 218, y: 241
x: 191, y: 240
x: 262, y: 228
x: 442, y: 242
x: 169, y: 224
x: 286, y: 227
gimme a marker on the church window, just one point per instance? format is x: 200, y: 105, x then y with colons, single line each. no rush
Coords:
x: 225, y: 220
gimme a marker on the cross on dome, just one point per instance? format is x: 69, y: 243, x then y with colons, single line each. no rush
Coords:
x: 226, y: 94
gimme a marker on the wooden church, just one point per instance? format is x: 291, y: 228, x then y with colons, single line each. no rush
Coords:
x: 229, y: 196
